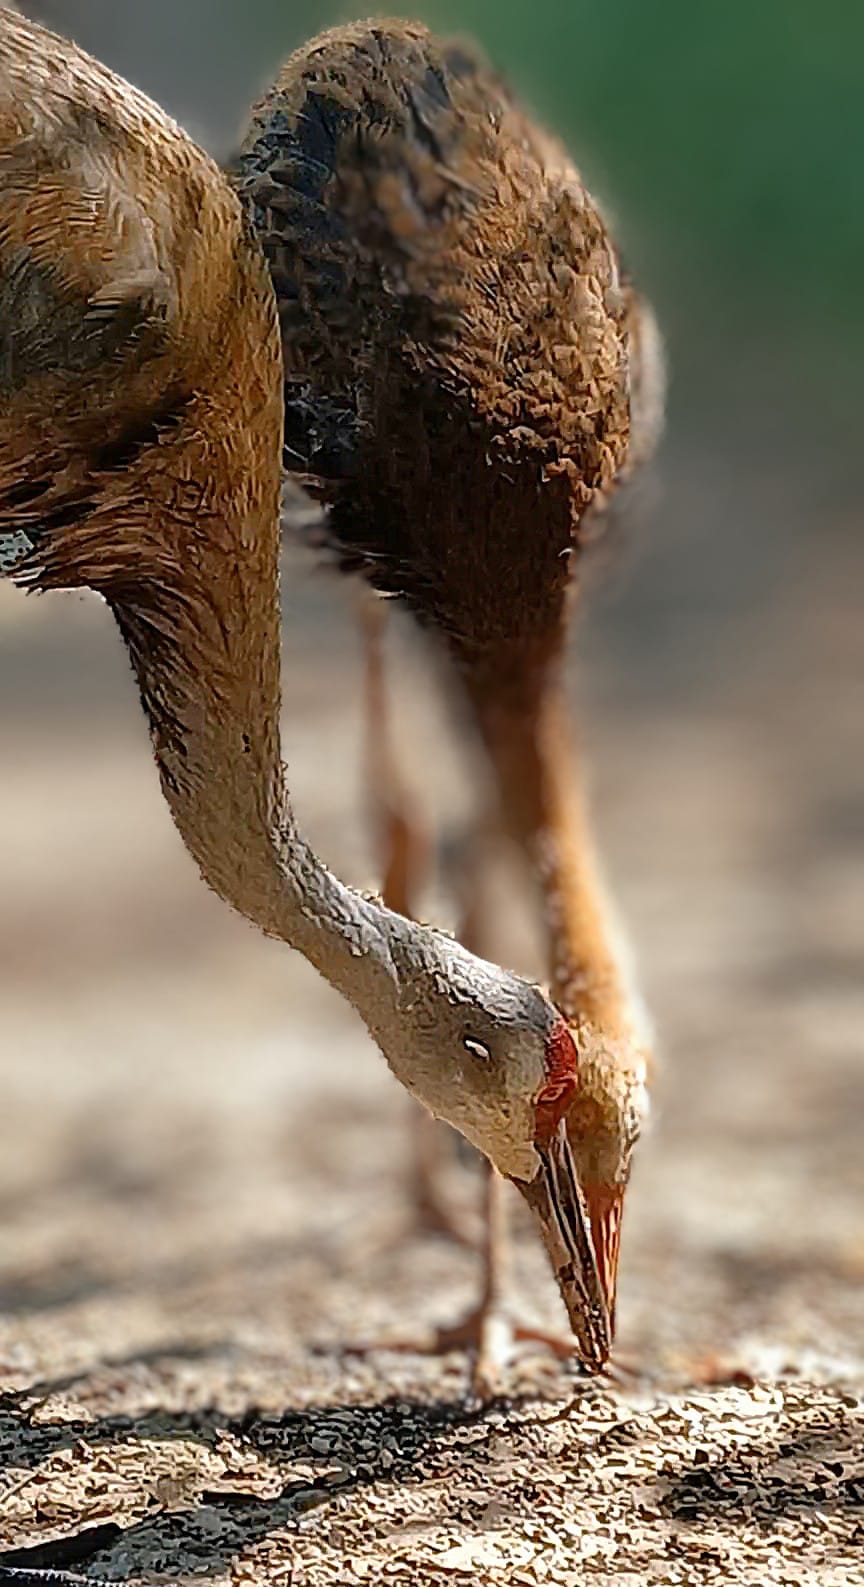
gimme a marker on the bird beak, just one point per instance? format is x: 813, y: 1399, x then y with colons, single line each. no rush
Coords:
x: 557, y: 1201
x: 605, y: 1206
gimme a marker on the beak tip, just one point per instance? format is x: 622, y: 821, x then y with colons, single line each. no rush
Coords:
x: 559, y: 1205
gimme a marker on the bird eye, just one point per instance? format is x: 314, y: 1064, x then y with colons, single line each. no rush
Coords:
x: 478, y: 1048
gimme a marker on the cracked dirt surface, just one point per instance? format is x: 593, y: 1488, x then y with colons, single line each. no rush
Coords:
x: 201, y: 1175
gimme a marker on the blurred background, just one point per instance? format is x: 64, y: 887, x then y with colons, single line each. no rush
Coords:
x: 195, y: 1133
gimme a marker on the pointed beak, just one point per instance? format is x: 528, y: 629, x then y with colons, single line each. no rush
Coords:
x: 605, y: 1205
x: 557, y: 1202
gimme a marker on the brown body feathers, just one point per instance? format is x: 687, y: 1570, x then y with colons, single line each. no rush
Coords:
x: 456, y: 332
x: 136, y: 320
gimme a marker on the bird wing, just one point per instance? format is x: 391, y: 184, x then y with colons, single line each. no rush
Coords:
x: 79, y: 272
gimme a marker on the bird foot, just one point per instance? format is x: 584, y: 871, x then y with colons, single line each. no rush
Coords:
x: 490, y: 1335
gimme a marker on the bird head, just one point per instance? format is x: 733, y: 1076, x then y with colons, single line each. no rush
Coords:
x: 490, y: 1054
x: 604, y: 1118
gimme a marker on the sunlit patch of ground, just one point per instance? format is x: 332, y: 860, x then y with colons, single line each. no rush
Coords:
x: 201, y: 1166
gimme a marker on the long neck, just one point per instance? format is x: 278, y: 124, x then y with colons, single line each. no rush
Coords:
x: 205, y: 646
x: 527, y: 732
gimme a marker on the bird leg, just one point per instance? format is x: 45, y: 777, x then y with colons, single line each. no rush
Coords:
x: 488, y: 1330
x: 403, y: 844
x: 527, y: 732
x: 429, y: 1149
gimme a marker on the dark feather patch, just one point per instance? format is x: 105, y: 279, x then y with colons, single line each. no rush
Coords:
x: 45, y: 506
x: 47, y: 329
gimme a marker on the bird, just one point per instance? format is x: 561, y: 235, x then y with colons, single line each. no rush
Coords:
x: 141, y: 430
x: 469, y: 376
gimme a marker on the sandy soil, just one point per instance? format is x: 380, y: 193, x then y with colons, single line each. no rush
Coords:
x: 202, y: 1165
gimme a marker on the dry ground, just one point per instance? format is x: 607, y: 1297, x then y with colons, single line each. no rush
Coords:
x: 202, y: 1159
